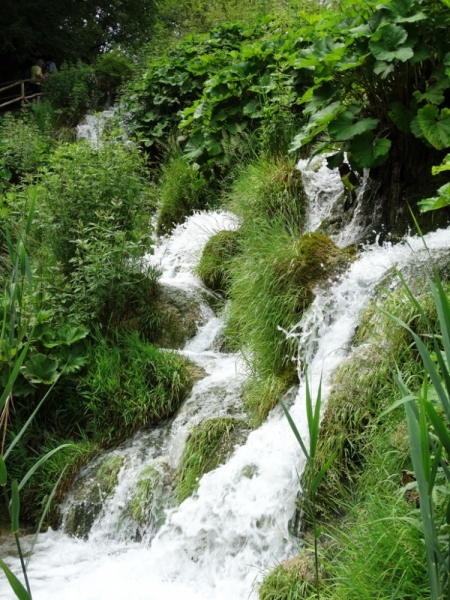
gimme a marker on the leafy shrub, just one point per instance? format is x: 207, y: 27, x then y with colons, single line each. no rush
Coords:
x: 23, y: 148
x: 183, y: 189
x: 96, y: 223
x: 70, y: 91
x: 112, y: 69
x: 380, y: 78
x: 214, y: 265
x: 130, y: 384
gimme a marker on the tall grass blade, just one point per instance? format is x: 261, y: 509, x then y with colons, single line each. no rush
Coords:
x: 15, y: 506
x: 295, y: 430
x: 40, y: 462
x: 425, y: 508
x: 43, y: 515
x: 12, y: 378
x: 27, y: 423
x: 15, y: 584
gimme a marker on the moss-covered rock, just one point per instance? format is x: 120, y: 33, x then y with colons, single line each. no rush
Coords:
x: 214, y: 265
x: 152, y: 494
x: 178, y: 315
x: 209, y: 444
x: 90, y: 490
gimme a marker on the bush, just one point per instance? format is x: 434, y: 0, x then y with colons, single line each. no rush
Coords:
x: 70, y: 91
x: 23, y: 148
x: 112, y: 70
x: 183, y: 189
x: 96, y: 223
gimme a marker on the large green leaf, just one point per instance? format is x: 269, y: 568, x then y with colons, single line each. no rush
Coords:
x: 444, y: 166
x: 41, y: 369
x: 367, y: 152
x: 401, y: 116
x: 438, y: 201
x: 344, y: 127
x: 387, y: 43
x: 435, y: 126
x: 65, y: 335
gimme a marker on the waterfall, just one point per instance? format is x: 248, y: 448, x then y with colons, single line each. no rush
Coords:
x: 217, y: 543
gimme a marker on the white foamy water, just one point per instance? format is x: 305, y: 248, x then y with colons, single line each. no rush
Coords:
x: 215, y: 544
x: 92, y: 126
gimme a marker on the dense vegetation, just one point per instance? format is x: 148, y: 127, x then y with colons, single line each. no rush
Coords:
x: 218, y: 120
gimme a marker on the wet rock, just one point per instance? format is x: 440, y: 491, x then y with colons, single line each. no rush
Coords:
x: 152, y: 494
x: 179, y: 316
x: 92, y: 487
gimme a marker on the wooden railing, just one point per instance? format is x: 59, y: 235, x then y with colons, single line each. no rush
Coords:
x: 15, y: 98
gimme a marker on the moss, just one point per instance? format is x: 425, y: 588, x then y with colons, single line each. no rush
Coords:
x: 143, y: 493
x: 214, y: 266
x: 203, y: 452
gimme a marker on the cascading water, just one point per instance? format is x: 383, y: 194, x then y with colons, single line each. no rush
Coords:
x: 216, y: 543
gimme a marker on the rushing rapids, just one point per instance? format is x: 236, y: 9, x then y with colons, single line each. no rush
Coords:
x: 216, y: 544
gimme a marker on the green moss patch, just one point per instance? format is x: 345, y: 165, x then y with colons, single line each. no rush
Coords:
x: 203, y: 452
x: 214, y: 266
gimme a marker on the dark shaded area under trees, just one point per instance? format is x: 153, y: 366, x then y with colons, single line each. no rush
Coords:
x: 70, y: 30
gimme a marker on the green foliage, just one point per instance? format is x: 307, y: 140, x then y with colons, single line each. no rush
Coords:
x: 70, y: 91
x: 443, y: 197
x: 130, y: 384
x: 378, y: 549
x: 215, y: 262
x: 95, y: 221
x: 427, y: 416
x: 269, y: 189
x: 202, y: 453
x: 285, y: 582
x: 113, y: 69
x: 23, y: 148
x: 261, y: 394
x: 271, y: 285
x: 380, y: 76
x: 363, y: 387
x: 182, y: 190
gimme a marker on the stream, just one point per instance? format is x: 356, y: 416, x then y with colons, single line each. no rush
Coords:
x: 218, y: 543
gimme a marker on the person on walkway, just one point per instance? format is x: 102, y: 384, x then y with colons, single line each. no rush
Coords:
x: 37, y: 76
x: 50, y: 64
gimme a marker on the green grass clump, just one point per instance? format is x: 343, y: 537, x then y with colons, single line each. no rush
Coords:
x: 214, y: 266
x: 202, y: 453
x: 289, y: 581
x: 271, y: 286
x: 271, y: 188
x: 130, y: 384
x: 261, y: 394
x: 182, y: 190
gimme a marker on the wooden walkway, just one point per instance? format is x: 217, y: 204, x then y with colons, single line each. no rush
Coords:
x: 14, y: 97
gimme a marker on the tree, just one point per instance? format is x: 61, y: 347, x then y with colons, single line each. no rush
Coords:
x: 69, y: 29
